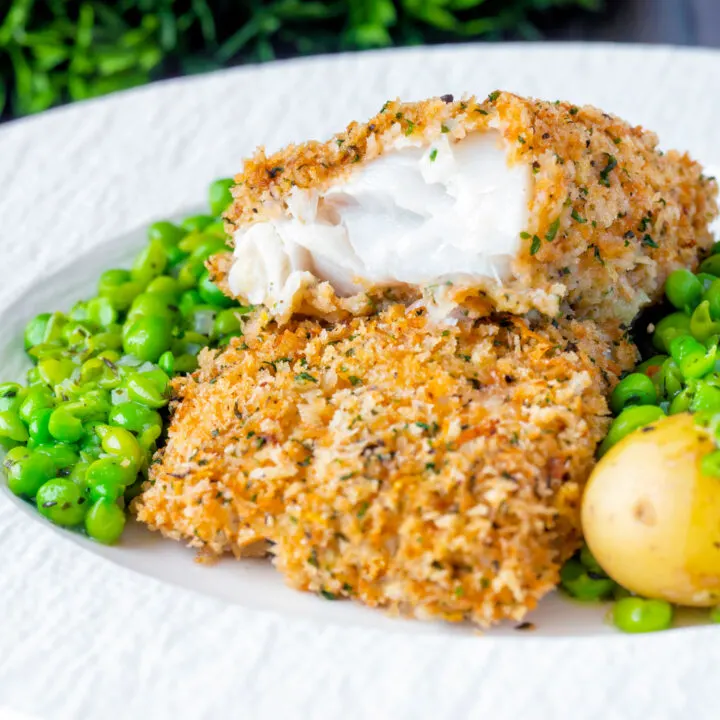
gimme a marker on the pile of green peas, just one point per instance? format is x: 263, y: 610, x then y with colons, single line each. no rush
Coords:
x: 684, y: 376
x: 80, y: 434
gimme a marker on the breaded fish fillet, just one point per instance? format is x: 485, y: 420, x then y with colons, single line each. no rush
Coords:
x: 502, y: 204
x: 433, y: 472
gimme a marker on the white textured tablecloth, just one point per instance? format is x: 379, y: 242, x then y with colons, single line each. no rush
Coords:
x: 83, y: 638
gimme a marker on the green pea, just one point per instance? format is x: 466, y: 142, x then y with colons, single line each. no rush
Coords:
x: 227, y: 322
x: 702, y: 326
x: 133, y: 416
x: 588, y: 560
x: 104, y: 341
x: 197, y: 223
x: 112, y: 279
x: 201, y: 319
x: 682, y: 401
x: 706, y: 279
x: 109, y: 356
x: 35, y: 330
x: 155, y: 374
x: 12, y: 429
x: 108, y: 477
x: 39, y: 426
x: 219, y: 195
x: 105, y: 522
x: 147, y: 438
x: 148, y: 337
x: 64, y: 426
x: 691, y: 357
x: 167, y: 363
x: 166, y: 287
x: 706, y: 397
x: 636, y: 615
x: 27, y: 474
x: 712, y: 296
x: 217, y: 228
x: 78, y: 474
x: 62, y: 502
x: 629, y: 420
x: 32, y: 377
x: 175, y: 256
x: 79, y: 311
x: 188, y: 300
x: 715, y: 612
x: 150, y: 263
x: 668, y: 380
x: 101, y: 311
x: 150, y: 304
x: 210, y: 246
x: 12, y: 397
x: 92, y: 403
x: 583, y: 583
x: 185, y: 363
x: 56, y: 350
x: 211, y: 293
x: 101, y: 372
x: 120, y: 442
x: 669, y: 327
x: 34, y: 399
x: 167, y: 233
x: 122, y: 296
x: 54, y: 336
x: 635, y: 389
x: 683, y: 290
x: 76, y: 334
x: 90, y: 444
x: 63, y: 456
x: 190, y: 273
x: 191, y: 343
x: 146, y: 391
x: 53, y: 371
x: 711, y: 266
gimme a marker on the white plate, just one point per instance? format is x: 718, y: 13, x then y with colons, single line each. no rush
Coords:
x: 77, y: 183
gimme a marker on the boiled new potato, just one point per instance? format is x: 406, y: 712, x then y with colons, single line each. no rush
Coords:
x: 652, y: 519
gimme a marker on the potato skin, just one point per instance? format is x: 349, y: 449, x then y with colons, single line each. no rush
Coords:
x: 652, y: 519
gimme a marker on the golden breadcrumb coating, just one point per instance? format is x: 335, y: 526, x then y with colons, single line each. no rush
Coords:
x: 610, y: 215
x: 436, y: 473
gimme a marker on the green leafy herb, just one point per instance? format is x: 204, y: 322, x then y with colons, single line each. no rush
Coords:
x: 55, y: 51
x: 305, y: 377
x: 552, y: 230
x: 609, y: 167
x: 649, y: 242
x: 535, y: 245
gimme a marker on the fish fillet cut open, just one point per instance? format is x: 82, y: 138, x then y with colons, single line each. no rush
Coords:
x: 509, y: 204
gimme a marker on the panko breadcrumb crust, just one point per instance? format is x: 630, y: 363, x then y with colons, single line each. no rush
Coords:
x: 610, y: 215
x: 436, y: 473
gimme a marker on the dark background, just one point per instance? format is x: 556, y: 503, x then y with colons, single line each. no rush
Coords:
x: 59, y: 51
x: 677, y: 22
